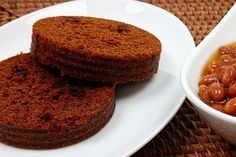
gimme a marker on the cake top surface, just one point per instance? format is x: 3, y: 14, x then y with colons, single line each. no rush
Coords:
x: 34, y: 97
x: 96, y: 37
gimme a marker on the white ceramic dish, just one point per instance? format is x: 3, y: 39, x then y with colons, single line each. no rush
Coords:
x: 224, y: 33
x: 142, y: 109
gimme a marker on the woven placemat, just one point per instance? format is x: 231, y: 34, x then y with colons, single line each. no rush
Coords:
x: 186, y: 135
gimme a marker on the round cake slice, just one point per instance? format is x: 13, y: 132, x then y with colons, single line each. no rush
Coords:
x: 96, y: 49
x: 41, y: 110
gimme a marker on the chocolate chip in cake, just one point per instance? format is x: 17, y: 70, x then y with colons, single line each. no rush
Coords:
x: 72, y: 20
x: 77, y: 92
x: 120, y: 28
x: 20, y: 71
x: 46, y: 117
x: 58, y: 94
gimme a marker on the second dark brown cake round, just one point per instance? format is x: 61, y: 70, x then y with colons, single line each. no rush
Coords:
x: 40, y: 110
x: 96, y: 49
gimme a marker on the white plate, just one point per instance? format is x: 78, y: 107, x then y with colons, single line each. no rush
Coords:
x: 142, y: 109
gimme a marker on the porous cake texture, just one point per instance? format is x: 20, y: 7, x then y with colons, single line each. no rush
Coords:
x: 96, y: 49
x: 41, y: 110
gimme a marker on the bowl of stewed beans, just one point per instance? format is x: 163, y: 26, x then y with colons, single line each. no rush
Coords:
x: 217, y: 86
x: 209, y: 78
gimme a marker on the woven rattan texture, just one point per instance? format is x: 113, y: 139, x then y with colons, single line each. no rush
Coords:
x: 186, y: 135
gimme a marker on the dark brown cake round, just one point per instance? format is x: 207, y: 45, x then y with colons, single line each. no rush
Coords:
x: 40, y: 110
x: 96, y: 49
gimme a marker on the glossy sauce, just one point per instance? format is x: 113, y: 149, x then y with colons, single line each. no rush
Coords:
x: 217, y: 86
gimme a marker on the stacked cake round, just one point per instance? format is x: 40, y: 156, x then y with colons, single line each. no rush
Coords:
x: 41, y: 110
x: 96, y: 49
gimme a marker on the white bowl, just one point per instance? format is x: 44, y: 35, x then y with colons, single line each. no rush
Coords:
x: 224, y: 33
